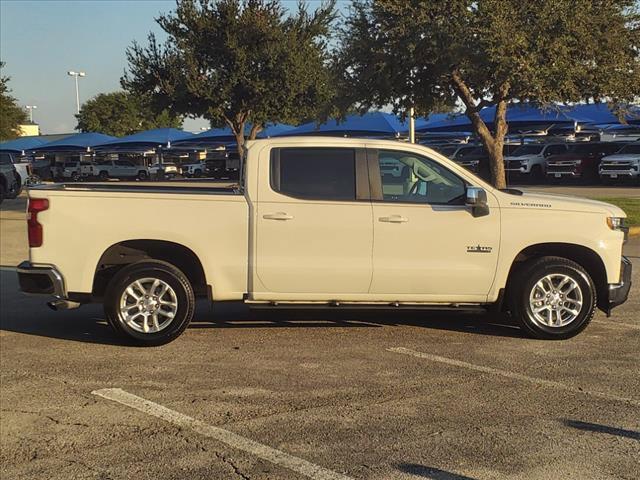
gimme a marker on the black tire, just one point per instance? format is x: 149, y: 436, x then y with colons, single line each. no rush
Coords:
x: 75, y: 177
x: 2, y: 192
x: 197, y: 173
x: 103, y: 175
x: 142, y: 175
x: 155, y: 269
x: 525, y: 280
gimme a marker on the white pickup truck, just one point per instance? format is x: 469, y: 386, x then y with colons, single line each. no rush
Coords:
x: 316, y: 222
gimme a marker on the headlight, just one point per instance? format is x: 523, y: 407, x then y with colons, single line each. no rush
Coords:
x: 615, y: 223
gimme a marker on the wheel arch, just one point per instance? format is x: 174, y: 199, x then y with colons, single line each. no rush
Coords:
x: 583, y: 256
x: 127, y: 252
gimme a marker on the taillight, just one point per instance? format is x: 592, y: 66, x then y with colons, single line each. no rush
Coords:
x: 33, y: 227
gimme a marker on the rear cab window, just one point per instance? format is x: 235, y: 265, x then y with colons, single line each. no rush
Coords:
x: 314, y: 173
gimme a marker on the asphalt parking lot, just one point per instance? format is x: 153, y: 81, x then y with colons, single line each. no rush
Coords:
x: 317, y: 394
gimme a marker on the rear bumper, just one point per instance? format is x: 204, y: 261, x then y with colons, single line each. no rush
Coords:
x: 41, y: 280
x: 619, y: 292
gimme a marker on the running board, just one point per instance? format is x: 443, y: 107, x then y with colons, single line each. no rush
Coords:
x: 458, y: 307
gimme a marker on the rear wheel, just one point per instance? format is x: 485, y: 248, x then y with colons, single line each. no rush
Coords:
x: 142, y: 175
x: 151, y: 302
x: 554, y: 298
x: 2, y: 192
x: 103, y: 175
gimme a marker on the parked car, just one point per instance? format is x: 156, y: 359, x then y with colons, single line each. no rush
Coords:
x: 76, y: 170
x: 477, y: 160
x: 313, y: 222
x: 9, y: 183
x: 22, y: 169
x: 197, y: 169
x: 530, y: 160
x: 123, y: 169
x: 581, y: 161
x: 165, y: 169
x: 624, y: 164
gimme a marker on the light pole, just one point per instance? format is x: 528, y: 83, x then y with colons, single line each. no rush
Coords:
x: 71, y: 73
x: 31, y: 108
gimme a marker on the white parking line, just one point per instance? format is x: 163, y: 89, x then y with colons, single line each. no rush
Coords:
x: 513, y: 375
x: 234, y: 440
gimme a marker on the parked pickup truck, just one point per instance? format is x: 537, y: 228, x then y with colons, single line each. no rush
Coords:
x: 312, y: 223
x: 623, y: 165
x: 122, y: 169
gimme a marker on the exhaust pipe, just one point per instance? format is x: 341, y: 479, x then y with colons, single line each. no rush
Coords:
x: 58, y: 305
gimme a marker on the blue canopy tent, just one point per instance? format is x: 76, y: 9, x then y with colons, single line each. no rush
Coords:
x: 217, y: 137
x: 372, y: 124
x: 147, y: 140
x: 81, y: 142
x: 523, y: 116
x: 21, y: 145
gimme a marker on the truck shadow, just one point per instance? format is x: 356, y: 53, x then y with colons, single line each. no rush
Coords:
x: 20, y: 313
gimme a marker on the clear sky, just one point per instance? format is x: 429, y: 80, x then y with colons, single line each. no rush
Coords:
x: 40, y: 40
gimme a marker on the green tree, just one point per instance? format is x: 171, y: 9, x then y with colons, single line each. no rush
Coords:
x: 488, y: 52
x: 237, y: 63
x: 11, y: 114
x: 121, y: 113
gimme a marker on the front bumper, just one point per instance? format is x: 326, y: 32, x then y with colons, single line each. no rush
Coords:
x: 618, y: 293
x: 41, y: 280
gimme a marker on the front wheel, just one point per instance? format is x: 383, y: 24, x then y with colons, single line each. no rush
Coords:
x: 554, y: 298
x: 151, y: 302
x: 142, y: 175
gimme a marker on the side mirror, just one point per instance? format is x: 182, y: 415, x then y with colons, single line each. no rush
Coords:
x: 476, y: 198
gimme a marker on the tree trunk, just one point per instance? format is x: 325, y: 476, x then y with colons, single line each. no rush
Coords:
x: 492, y: 144
x: 496, y: 158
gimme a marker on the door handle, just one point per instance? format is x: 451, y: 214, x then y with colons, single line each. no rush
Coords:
x: 394, y: 219
x: 278, y: 216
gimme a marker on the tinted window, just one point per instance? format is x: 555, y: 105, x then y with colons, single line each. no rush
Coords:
x: 407, y: 177
x: 314, y: 173
x: 630, y: 149
x: 527, y: 150
x: 123, y: 163
x: 555, y: 150
x: 5, y: 159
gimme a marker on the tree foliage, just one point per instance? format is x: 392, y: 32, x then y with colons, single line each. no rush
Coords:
x: 427, y: 53
x: 11, y: 114
x: 121, y: 113
x: 237, y: 63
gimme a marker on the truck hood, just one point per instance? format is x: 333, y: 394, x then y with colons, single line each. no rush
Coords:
x: 623, y: 157
x: 555, y: 202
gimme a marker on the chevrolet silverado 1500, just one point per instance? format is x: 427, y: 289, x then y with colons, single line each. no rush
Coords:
x: 317, y: 222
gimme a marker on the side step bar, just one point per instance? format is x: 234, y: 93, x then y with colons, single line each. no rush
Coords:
x: 458, y: 307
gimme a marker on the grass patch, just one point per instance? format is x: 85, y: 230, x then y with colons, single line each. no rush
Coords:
x: 631, y: 206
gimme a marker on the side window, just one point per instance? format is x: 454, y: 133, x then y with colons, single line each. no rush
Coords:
x: 314, y: 173
x: 5, y: 159
x: 410, y: 178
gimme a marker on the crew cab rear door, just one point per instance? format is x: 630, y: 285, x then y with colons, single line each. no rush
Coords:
x: 314, y: 226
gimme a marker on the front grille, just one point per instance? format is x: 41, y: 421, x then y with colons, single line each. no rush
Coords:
x: 615, y: 166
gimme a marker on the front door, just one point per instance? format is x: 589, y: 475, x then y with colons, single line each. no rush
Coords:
x: 314, y: 237
x: 427, y: 245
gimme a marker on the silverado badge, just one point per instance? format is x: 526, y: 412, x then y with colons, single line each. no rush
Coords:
x: 479, y: 249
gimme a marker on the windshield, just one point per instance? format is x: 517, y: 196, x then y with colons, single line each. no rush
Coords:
x: 463, y: 152
x: 583, y: 148
x: 629, y: 149
x: 527, y: 150
x: 70, y: 164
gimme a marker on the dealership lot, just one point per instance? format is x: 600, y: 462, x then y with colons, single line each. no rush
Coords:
x: 326, y: 394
